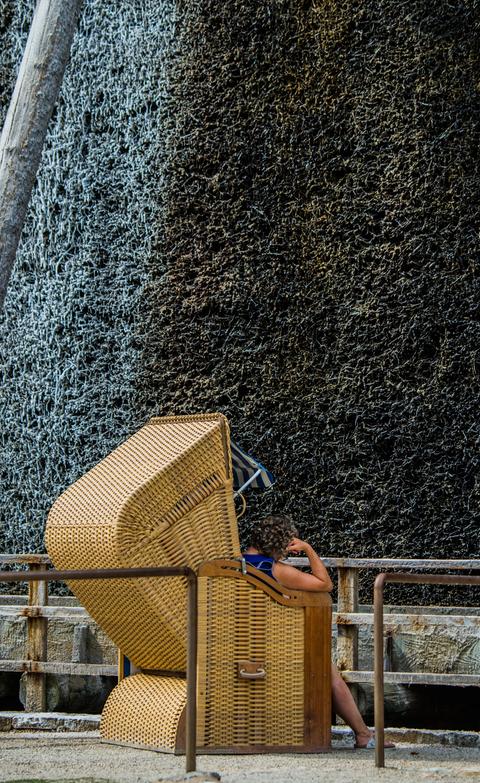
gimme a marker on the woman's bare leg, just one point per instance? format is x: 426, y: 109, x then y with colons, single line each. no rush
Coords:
x: 344, y: 706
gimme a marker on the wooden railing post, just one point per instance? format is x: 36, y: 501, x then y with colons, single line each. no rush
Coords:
x: 347, y: 640
x: 35, y: 683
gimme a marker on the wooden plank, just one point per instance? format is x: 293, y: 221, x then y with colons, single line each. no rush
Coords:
x: 413, y: 618
x: 411, y: 622
x: 53, y: 600
x: 404, y: 678
x: 330, y: 562
x: 69, y: 613
x: 415, y: 678
x: 34, y: 97
x: 469, y: 611
x: 388, y: 563
x: 50, y: 667
x: 20, y: 559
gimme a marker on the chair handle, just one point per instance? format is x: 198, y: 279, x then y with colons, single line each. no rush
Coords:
x: 258, y: 675
x: 251, y: 670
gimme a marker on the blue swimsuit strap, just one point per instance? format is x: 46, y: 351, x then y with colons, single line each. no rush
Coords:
x: 268, y: 562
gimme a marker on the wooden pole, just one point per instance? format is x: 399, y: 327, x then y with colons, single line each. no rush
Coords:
x: 347, y: 641
x: 35, y: 683
x: 34, y: 97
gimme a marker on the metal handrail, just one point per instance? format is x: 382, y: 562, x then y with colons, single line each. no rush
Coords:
x: 399, y: 578
x: 135, y: 573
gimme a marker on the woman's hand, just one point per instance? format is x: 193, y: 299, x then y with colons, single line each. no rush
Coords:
x: 296, y: 546
x: 295, y: 579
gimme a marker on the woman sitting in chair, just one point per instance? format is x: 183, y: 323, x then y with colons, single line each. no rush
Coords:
x: 272, y: 540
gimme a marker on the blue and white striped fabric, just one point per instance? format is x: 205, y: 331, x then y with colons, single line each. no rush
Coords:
x: 248, y: 472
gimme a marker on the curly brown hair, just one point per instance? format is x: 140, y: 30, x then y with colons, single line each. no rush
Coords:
x: 272, y: 535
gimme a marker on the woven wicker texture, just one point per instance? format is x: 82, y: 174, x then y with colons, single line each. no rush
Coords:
x: 164, y: 497
x: 239, y: 622
x: 145, y: 710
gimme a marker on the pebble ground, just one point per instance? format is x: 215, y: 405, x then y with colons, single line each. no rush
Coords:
x: 84, y: 758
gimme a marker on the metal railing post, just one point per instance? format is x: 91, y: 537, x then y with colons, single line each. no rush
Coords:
x: 378, y: 687
x: 134, y: 573
x: 191, y: 727
x: 398, y: 578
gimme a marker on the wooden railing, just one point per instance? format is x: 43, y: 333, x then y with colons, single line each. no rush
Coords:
x: 348, y: 619
x: 37, y: 614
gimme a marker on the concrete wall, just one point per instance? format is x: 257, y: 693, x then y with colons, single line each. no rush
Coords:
x: 439, y: 648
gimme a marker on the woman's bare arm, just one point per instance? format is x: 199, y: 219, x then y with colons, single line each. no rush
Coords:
x: 296, y: 580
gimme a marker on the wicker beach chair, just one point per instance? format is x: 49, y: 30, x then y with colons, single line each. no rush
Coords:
x: 164, y: 497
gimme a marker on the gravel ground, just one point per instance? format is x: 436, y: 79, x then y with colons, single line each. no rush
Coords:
x: 84, y: 758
